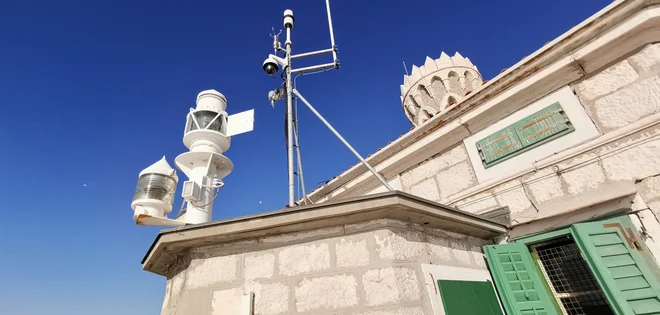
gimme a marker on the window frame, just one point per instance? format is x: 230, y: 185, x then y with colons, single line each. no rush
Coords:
x: 504, y: 115
x: 581, y: 235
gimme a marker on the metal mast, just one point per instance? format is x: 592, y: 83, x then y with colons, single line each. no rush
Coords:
x: 271, y: 66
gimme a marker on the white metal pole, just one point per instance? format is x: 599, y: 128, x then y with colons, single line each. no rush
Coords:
x: 317, y: 67
x: 289, y: 119
x: 327, y: 124
x: 300, y: 168
x: 332, y: 36
x: 312, y: 53
x: 201, y: 211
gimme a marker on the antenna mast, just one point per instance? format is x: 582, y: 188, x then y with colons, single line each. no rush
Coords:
x: 271, y: 66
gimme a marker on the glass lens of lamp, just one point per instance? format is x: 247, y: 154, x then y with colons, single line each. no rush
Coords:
x: 204, y: 117
x: 155, y: 186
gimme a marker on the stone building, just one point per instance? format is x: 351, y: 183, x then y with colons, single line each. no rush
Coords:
x: 536, y: 192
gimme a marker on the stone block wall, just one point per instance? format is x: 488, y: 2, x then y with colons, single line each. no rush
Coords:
x: 618, y: 96
x: 369, y: 268
x: 440, y: 176
x: 634, y: 159
x: 625, y: 92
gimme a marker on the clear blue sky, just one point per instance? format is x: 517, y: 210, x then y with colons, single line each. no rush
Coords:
x: 94, y: 91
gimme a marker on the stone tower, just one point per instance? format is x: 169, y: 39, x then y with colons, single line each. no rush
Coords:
x: 437, y: 84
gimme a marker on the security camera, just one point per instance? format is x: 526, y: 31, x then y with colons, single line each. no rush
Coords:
x: 270, y: 66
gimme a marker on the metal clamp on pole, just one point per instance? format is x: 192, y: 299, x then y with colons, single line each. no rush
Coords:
x: 327, y: 124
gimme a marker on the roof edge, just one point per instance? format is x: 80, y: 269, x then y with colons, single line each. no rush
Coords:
x: 341, y: 212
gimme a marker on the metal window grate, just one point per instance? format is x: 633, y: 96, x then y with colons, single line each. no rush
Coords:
x: 569, y: 278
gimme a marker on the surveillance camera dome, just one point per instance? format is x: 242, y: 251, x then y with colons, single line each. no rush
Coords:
x: 270, y: 66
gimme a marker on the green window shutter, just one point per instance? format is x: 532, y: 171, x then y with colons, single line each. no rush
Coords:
x: 498, y: 146
x: 469, y: 298
x: 518, y: 282
x: 614, y: 254
x: 542, y: 125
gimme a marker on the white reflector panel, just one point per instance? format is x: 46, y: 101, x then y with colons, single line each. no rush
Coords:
x: 240, y: 123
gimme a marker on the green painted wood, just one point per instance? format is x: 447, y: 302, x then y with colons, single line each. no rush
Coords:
x: 538, y: 128
x: 540, y: 237
x: 621, y: 270
x: 499, y: 145
x: 549, y: 122
x: 518, y: 282
x: 469, y: 298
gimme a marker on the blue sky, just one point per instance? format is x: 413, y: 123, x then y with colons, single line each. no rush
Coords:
x: 94, y: 91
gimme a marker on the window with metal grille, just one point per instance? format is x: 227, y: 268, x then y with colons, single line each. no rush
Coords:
x: 569, y: 278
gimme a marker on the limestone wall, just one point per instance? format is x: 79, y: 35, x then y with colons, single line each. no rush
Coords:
x: 440, y: 176
x: 615, y: 98
x: 370, y: 268
x: 634, y: 160
x: 625, y: 92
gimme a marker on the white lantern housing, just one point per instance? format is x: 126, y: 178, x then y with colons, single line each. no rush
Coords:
x: 155, y: 190
x: 206, y: 125
x: 207, y: 135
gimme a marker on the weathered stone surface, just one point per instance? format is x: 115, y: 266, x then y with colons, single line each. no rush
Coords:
x: 461, y: 253
x: 259, y: 266
x: 390, y: 285
x: 455, y: 235
x: 478, y: 256
x: 205, y: 252
x: 203, y: 272
x: 439, y: 248
x: 176, y: 284
x: 478, y: 242
x: 649, y: 188
x: 478, y: 203
x: 583, y: 173
x: 513, y: 195
x: 455, y: 179
x: 399, y: 245
x: 335, y: 292
x: 292, y: 237
x: 375, y: 224
x: 452, y: 157
x: 634, y: 162
x: 434, y: 165
x: 638, y: 203
x: 544, y: 185
x: 199, y: 301
x: 407, y: 283
x: 299, y: 259
x: 173, y: 288
x: 647, y: 59
x: 629, y: 104
x: 655, y: 207
x: 269, y: 298
x: 396, y: 311
x: 227, y: 301
x: 427, y: 189
x: 337, y: 191
x: 351, y: 253
x: 607, y: 81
